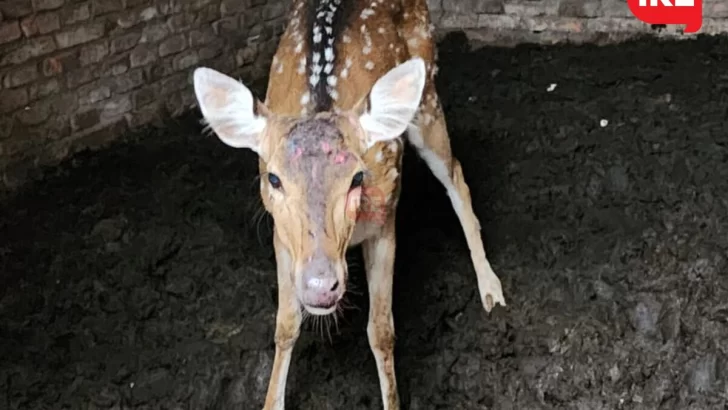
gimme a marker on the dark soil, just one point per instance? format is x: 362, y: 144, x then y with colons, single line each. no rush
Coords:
x: 142, y: 276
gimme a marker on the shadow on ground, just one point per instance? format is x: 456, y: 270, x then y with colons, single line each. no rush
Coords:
x: 142, y: 277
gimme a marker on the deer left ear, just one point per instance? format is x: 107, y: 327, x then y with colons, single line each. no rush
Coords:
x: 392, y: 102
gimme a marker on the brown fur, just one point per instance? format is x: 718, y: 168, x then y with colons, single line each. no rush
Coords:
x: 312, y: 218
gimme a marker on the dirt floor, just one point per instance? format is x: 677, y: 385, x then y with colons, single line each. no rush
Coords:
x: 141, y: 277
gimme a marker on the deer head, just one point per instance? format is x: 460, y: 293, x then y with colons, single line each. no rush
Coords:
x: 313, y: 167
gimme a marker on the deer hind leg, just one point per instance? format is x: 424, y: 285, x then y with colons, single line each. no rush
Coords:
x: 430, y: 138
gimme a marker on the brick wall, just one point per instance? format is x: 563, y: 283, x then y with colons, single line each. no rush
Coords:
x: 76, y: 74
x: 508, y: 22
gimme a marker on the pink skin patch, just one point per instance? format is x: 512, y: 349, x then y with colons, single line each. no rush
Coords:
x: 353, y: 200
x: 298, y: 153
x: 325, y: 147
x: 340, y: 158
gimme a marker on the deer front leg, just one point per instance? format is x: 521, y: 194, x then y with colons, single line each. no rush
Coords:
x: 431, y: 140
x: 288, y: 326
x: 378, y: 255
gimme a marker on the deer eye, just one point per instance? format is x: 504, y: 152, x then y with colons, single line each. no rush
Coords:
x: 357, y: 180
x: 274, y: 180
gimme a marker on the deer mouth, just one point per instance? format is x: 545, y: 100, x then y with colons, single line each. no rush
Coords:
x: 321, y: 310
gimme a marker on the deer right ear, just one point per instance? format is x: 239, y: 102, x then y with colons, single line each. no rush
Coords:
x: 230, y: 109
x: 392, y: 102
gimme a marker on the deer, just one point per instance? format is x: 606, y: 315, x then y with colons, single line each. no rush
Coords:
x: 349, y: 83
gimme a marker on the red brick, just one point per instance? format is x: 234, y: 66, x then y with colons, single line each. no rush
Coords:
x: 60, y: 63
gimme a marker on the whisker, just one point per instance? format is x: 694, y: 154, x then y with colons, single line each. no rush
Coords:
x: 336, y: 318
x: 328, y: 329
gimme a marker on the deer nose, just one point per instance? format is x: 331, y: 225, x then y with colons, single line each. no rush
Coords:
x: 321, y: 291
x: 322, y: 284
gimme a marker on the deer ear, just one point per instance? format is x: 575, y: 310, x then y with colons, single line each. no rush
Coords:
x: 230, y: 109
x: 392, y: 102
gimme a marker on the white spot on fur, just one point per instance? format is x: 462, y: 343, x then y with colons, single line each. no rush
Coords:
x: 316, y: 34
x: 393, y: 146
x: 302, y: 66
x: 305, y: 98
x: 379, y: 157
x: 299, y: 48
x: 331, y: 80
x: 334, y: 94
x: 329, y: 54
x: 346, y: 39
x: 393, y: 174
x: 366, y: 13
x: 329, y: 68
x: 381, y: 30
x: 369, y: 65
x: 366, y: 50
x: 345, y: 73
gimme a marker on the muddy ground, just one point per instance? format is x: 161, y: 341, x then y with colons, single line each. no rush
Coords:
x: 141, y: 277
